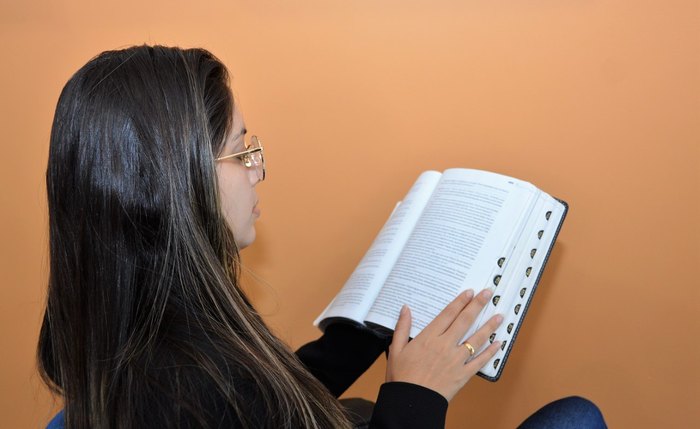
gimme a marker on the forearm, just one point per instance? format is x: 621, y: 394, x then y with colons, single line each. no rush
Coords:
x: 341, y: 355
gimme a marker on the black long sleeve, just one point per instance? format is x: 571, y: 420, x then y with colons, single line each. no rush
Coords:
x: 405, y: 406
x: 337, y: 358
x: 344, y: 352
x: 341, y: 355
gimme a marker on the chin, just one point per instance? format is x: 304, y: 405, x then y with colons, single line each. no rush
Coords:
x: 247, y: 241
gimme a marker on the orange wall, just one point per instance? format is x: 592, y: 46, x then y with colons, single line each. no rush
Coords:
x: 596, y: 102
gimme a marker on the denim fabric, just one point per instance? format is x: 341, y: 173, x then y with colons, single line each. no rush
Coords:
x: 56, y: 422
x: 572, y: 412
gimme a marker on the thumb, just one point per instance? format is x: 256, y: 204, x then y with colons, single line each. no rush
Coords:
x: 402, y: 331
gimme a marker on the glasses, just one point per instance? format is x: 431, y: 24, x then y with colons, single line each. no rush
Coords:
x: 252, y: 157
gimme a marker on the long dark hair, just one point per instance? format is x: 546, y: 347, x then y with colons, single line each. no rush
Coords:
x: 145, y: 321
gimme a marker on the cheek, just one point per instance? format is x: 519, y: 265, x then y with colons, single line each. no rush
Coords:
x: 232, y: 192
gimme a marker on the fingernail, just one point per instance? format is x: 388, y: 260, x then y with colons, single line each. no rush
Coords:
x: 488, y: 293
x: 499, y: 318
x: 403, y: 309
x: 469, y: 293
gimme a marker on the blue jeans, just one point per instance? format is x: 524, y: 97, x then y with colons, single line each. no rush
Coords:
x: 572, y: 412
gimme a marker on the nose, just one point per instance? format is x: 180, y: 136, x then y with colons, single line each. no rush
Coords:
x: 254, y: 176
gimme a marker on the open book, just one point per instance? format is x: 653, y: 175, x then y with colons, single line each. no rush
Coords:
x: 457, y: 230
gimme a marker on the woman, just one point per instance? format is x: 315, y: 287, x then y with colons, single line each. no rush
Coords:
x: 151, y: 192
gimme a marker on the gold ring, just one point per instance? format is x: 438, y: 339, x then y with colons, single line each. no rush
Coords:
x: 470, y: 348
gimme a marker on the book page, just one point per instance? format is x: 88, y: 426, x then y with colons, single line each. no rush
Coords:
x: 463, y: 231
x: 360, y: 290
x: 516, y: 268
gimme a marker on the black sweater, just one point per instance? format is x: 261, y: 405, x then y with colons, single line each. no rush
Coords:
x: 344, y: 353
x: 337, y: 359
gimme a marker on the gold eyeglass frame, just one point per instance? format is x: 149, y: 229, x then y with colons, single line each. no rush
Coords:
x: 246, y: 156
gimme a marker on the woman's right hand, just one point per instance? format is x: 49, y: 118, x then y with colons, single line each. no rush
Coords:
x: 435, y: 359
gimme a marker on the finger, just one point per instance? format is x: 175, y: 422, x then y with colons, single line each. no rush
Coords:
x: 467, y: 317
x: 402, y: 331
x: 482, y: 335
x: 448, y: 314
x: 474, y: 365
